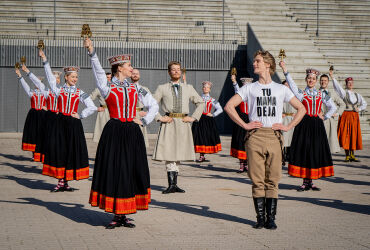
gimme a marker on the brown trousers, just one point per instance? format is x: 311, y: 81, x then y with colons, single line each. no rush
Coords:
x: 265, y: 161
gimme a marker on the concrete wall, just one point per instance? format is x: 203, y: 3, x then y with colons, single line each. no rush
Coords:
x: 15, y: 103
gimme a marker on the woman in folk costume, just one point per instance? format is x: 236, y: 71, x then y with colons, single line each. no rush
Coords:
x: 310, y: 156
x: 205, y: 133
x: 51, y: 101
x: 331, y: 124
x: 349, y: 130
x: 103, y: 114
x: 67, y: 157
x: 288, y: 115
x: 32, y: 131
x: 238, y: 149
x: 175, y: 139
x: 121, y: 181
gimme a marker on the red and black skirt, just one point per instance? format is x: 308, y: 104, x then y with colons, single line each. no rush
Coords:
x: 66, y: 153
x: 310, y: 155
x: 205, y: 135
x: 121, y: 180
x: 237, y: 149
x: 33, y: 132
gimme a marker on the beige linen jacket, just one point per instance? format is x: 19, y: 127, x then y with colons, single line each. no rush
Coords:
x: 175, y: 139
x: 332, y: 123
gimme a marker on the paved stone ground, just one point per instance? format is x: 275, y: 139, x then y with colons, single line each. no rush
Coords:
x: 216, y: 212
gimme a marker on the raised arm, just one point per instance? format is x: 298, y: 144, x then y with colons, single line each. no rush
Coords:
x: 49, y: 74
x: 90, y: 106
x: 218, y: 108
x: 98, y: 71
x: 298, y: 93
x: 25, y: 86
x: 340, y: 91
x: 235, y: 83
x: 150, y: 103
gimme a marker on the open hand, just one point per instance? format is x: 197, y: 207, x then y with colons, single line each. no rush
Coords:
x: 279, y: 126
x: 253, y: 125
x: 18, y: 72
x: 188, y: 119
x: 88, y: 44
x: 142, y: 113
x: 166, y: 119
x: 75, y: 115
x: 137, y: 121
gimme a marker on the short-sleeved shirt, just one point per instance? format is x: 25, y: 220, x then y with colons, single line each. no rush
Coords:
x: 265, y: 101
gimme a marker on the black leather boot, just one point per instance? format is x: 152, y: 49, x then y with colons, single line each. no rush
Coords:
x: 271, y: 206
x: 178, y: 190
x: 259, y: 205
x: 171, y: 182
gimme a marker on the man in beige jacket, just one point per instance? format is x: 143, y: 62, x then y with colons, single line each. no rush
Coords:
x: 332, y: 123
x: 175, y: 139
x: 135, y: 77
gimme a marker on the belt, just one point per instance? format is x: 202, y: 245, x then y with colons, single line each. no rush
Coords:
x: 176, y: 115
x: 289, y: 114
x: 139, y: 109
x: 104, y: 106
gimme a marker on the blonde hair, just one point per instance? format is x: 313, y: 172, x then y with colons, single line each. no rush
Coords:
x: 267, y: 58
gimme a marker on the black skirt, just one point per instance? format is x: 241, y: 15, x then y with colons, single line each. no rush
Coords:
x: 205, y: 135
x: 49, y: 121
x: 32, y: 132
x: 121, y: 180
x: 237, y: 149
x: 66, y: 154
x: 310, y: 155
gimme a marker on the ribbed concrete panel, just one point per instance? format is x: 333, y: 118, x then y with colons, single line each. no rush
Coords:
x: 145, y: 55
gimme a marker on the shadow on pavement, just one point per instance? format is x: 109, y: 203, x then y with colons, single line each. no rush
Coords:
x: 30, y: 183
x: 17, y: 157
x: 72, y: 211
x: 342, y: 180
x: 23, y: 168
x: 200, y: 211
x: 244, y: 180
x: 332, y: 203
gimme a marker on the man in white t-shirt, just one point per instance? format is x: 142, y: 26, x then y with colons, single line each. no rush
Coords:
x: 264, y: 143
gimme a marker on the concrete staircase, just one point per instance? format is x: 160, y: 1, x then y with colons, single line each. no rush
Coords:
x: 141, y: 20
x: 291, y: 24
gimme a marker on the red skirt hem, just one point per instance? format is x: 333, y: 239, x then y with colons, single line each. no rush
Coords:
x: 68, y: 175
x: 120, y: 205
x: 310, y: 173
x: 207, y: 149
x: 242, y: 155
x: 28, y: 147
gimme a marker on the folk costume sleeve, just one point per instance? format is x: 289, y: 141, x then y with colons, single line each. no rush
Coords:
x: 218, y: 108
x: 99, y: 74
x: 51, y: 78
x: 150, y: 103
x: 297, y: 92
x: 25, y: 86
x: 363, y: 104
x: 330, y: 105
x: 340, y: 91
x: 90, y: 107
x: 236, y: 87
x: 38, y: 84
